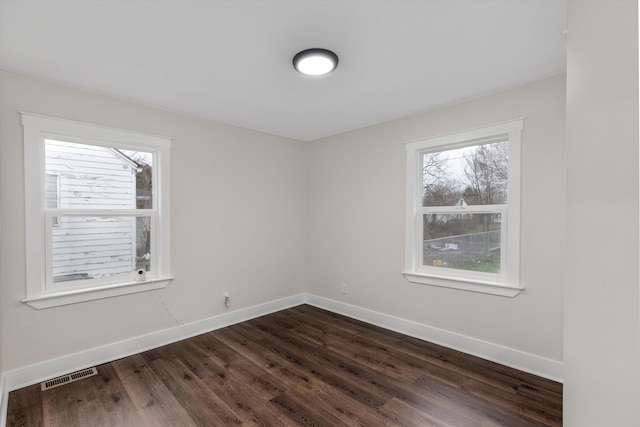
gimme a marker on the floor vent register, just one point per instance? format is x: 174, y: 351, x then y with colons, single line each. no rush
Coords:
x: 69, y: 378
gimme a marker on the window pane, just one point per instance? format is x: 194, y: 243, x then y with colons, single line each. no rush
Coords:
x: 475, y: 175
x: 51, y: 191
x: 93, y: 177
x: 468, y: 241
x: 91, y: 247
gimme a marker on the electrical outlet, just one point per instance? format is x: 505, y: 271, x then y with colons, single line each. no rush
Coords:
x: 344, y: 288
x: 227, y: 299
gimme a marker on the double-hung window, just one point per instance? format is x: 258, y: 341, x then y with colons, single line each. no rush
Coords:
x: 97, y: 211
x: 463, y: 210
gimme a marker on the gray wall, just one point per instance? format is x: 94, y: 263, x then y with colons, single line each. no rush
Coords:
x: 250, y: 211
x: 238, y: 223
x: 602, y: 298
x: 357, y: 222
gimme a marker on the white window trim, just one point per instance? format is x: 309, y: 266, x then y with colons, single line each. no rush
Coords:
x: 507, y: 284
x: 36, y: 129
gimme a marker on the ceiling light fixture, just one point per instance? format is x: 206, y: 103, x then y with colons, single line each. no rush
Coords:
x: 315, y: 62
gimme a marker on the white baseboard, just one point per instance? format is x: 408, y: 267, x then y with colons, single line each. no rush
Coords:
x: 39, y: 372
x: 527, y: 362
x: 33, y: 374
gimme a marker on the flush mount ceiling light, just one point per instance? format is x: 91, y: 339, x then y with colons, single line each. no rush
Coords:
x: 315, y: 62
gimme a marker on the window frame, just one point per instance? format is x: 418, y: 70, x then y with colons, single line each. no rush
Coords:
x: 37, y: 128
x: 507, y: 283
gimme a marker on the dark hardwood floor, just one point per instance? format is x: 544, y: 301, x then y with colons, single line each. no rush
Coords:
x: 300, y: 366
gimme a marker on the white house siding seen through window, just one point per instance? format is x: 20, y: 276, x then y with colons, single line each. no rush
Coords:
x: 51, y: 191
x: 463, y: 205
x: 102, y: 179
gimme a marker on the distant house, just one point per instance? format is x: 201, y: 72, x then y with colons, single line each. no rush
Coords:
x: 461, y: 202
x: 87, y: 177
x: 446, y: 217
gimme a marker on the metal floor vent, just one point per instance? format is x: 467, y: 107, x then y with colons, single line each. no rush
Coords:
x: 69, y: 378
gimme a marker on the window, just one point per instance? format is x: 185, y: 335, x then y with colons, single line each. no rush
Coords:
x: 463, y: 210
x: 97, y: 211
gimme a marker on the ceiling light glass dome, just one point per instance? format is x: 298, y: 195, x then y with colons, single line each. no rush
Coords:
x: 315, y: 62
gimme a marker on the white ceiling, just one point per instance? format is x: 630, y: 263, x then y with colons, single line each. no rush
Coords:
x: 230, y: 61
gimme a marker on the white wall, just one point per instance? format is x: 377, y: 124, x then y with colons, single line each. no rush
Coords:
x: 602, y: 301
x: 357, y: 222
x: 238, y: 224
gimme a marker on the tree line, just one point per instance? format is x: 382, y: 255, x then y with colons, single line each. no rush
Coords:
x: 481, y: 179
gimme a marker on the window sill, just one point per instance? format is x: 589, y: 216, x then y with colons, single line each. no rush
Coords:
x: 485, y: 287
x: 81, y: 295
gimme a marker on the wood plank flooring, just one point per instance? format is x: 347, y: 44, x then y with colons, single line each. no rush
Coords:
x: 300, y: 366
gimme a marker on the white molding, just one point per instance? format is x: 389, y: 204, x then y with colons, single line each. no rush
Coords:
x: 527, y: 362
x: 484, y: 287
x: 33, y: 374
x: 87, y: 294
x: 95, y: 132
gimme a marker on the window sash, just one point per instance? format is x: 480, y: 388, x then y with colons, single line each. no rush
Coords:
x: 458, y: 210
x: 52, y: 286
